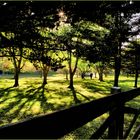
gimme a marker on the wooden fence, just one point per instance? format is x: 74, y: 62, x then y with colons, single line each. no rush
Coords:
x: 58, y: 124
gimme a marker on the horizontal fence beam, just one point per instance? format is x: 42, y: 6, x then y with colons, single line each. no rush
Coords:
x: 57, y: 124
x: 130, y: 110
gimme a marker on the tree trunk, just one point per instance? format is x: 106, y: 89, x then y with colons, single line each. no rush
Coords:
x: 72, y: 72
x: 136, y: 79
x: 44, y: 78
x: 45, y: 74
x: 100, y: 69
x: 71, y: 81
x: 117, y: 71
x: 17, y: 66
x: 16, y: 77
x: 136, y: 71
x: 118, y: 50
x: 101, y: 76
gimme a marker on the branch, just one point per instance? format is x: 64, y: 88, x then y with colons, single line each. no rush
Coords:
x: 76, y: 63
x: 22, y: 65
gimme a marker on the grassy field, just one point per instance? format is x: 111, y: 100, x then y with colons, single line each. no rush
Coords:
x: 30, y: 99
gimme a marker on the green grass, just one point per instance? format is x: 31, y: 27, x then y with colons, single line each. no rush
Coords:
x: 30, y: 99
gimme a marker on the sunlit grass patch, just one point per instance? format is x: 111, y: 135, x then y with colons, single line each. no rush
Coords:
x: 36, y: 108
x: 31, y: 99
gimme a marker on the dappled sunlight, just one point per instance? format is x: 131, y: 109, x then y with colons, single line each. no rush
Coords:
x: 88, y: 93
x: 32, y: 99
x: 97, y: 87
x: 36, y: 108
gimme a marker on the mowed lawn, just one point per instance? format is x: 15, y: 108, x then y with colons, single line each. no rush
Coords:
x: 30, y: 99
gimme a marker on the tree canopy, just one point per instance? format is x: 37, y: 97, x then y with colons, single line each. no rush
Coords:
x: 46, y: 31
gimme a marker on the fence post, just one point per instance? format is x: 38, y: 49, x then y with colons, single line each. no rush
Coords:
x: 116, y: 128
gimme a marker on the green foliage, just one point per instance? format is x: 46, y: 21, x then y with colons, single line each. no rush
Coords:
x: 97, y: 52
x: 83, y: 66
x: 129, y: 57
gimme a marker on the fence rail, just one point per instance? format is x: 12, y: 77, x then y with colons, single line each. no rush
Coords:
x: 60, y: 123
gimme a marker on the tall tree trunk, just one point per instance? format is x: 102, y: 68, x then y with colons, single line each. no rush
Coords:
x: 136, y: 78
x: 72, y: 72
x: 136, y: 71
x: 45, y: 74
x: 100, y: 69
x: 101, y: 72
x: 71, y: 81
x: 44, y: 78
x: 118, y: 51
x: 17, y: 66
x: 101, y: 76
x: 117, y: 71
x: 16, y: 77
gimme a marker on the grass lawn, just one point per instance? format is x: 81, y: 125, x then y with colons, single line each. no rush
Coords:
x: 30, y: 99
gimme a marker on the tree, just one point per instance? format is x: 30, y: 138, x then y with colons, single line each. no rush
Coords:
x: 15, y: 55
x: 111, y: 15
x: 45, y: 60
x: 132, y: 59
x: 22, y: 21
x: 115, y: 17
x: 133, y: 47
x: 74, y: 44
x: 96, y: 53
x: 17, y: 35
x: 100, y: 69
x: 46, y: 54
x: 19, y: 26
x: 120, y: 31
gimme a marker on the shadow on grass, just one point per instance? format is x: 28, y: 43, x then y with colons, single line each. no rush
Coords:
x: 100, y: 87
x: 83, y: 96
x: 3, y: 91
x: 105, y: 87
x: 18, y: 103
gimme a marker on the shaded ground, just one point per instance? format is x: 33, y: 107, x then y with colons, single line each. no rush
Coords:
x: 31, y: 99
